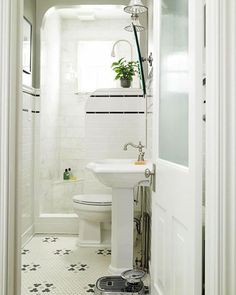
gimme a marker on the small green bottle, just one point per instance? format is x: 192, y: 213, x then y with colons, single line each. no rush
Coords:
x: 66, y: 175
x: 70, y: 173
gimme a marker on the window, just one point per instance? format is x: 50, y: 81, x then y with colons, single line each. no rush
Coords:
x: 94, y: 65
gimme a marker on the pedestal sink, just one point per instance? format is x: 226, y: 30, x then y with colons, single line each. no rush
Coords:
x: 121, y: 175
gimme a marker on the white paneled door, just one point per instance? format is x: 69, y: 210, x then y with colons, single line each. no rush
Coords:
x: 177, y: 202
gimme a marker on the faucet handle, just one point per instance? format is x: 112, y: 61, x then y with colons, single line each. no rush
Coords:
x: 141, y: 156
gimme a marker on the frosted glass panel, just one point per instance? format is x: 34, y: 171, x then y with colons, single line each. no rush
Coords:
x: 173, y: 121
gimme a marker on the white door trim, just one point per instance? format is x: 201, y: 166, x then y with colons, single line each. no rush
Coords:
x: 10, y: 53
x: 221, y: 148
x: 228, y: 146
x: 212, y: 211
x: 4, y: 71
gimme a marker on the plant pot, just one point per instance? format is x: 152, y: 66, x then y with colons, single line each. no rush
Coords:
x: 125, y: 83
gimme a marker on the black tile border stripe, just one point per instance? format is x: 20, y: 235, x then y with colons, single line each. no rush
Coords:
x: 116, y: 95
x: 32, y: 94
x: 34, y: 112
x: 112, y: 113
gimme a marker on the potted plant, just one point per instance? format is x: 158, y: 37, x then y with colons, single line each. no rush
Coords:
x: 125, y: 71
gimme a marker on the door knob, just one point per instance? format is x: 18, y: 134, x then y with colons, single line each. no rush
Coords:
x: 148, y: 173
x: 152, y: 173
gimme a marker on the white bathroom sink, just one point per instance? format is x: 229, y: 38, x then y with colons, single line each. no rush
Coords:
x: 121, y: 173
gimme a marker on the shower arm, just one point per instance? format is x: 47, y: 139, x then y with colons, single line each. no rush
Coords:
x: 118, y: 41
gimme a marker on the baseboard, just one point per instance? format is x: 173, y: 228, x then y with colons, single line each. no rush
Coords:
x: 57, y: 224
x: 27, y: 235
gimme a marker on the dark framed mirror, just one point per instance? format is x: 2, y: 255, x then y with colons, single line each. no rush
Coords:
x: 27, y: 46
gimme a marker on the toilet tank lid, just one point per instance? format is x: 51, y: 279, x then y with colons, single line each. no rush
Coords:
x: 93, y: 199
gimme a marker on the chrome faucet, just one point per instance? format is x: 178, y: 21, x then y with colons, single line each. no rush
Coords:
x: 139, y: 147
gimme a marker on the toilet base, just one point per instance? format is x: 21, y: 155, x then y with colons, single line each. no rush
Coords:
x: 92, y: 234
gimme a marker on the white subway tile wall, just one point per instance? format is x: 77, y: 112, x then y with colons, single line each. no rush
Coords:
x: 27, y: 163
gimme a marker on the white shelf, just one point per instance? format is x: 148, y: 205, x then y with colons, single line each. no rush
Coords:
x: 68, y: 181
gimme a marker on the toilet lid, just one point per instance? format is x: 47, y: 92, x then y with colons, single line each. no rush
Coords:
x: 96, y: 200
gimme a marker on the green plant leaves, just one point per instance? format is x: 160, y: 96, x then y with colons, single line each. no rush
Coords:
x: 125, y: 70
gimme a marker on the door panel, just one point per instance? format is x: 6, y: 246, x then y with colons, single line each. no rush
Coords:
x: 179, y: 250
x: 161, y: 246
x: 177, y: 144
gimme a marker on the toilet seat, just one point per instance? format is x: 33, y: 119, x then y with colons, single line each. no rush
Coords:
x: 93, y: 200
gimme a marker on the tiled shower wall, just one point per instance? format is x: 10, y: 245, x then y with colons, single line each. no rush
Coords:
x: 75, y: 128
x: 30, y: 116
x: 65, y: 140
x: 72, y: 105
x: 48, y: 150
x: 92, y: 129
x: 110, y: 123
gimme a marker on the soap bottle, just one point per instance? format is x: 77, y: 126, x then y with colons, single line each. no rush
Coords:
x: 66, y: 175
x: 70, y: 173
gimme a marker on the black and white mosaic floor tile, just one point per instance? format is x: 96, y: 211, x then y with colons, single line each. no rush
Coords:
x: 41, y: 288
x: 25, y: 251
x: 30, y: 267
x: 50, y: 240
x: 62, y: 268
x: 103, y: 252
x: 62, y: 252
x: 77, y: 267
x: 89, y: 288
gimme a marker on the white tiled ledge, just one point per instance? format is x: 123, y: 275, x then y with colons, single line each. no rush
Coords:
x: 67, y: 181
x: 118, y: 91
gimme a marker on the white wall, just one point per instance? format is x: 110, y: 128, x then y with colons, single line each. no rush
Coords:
x: 72, y: 114
x: 107, y: 133
x: 48, y: 161
x: 27, y: 141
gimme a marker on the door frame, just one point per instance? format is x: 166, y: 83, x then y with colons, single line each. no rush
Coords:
x: 11, y: 12
x: 221, y: 128
x: 213, y: 215
x: 220, y: 148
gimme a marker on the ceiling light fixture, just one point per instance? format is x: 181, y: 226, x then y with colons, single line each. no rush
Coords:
x: 135, y: 7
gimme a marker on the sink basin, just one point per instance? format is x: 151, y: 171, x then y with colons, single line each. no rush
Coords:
x: 121, y: 173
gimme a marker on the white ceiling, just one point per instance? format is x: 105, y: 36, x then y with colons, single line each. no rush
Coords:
x: 93, y: 12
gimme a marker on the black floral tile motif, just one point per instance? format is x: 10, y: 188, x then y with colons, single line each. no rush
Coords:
x: 25, y: 251
x: 30, y: 267
x: 62, y: 252
x: 77, y: 267
x: 50, y: 239
x: 89, y: 288
x: 41, y: 288
x: 104, y: 252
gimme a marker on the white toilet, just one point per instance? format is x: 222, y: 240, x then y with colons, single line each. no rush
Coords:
x: 94, y: 212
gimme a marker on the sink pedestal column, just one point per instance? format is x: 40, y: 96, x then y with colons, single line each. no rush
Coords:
x: 122, y: 230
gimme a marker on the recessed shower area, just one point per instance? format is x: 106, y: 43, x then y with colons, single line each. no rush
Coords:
x: 76, y: 113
